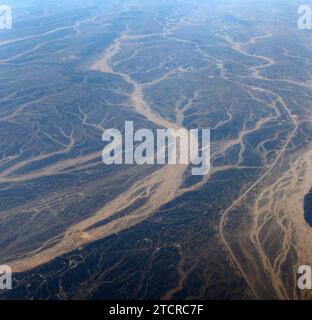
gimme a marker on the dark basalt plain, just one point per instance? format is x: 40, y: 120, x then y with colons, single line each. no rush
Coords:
x: 241, y: 68
x: 308, y: 208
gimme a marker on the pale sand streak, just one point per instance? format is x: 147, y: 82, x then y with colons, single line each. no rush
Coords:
x: 160, y: 187
x: 274, y: 271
